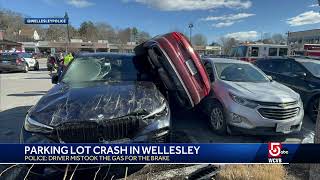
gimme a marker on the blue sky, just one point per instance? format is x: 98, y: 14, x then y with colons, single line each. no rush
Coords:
x: 243, y: 19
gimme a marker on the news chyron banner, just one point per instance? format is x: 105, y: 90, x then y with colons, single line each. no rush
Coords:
x: 158, y: 153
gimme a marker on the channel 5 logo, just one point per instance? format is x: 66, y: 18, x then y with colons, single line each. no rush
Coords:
x: 274, y: 149
x: 276, y: 152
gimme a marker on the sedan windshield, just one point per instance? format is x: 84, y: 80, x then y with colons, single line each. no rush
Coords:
x: 239, y: 72
x: 85, y: 69
x: 313, y: 67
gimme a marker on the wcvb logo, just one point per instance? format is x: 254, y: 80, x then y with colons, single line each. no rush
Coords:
x: 274, y: 150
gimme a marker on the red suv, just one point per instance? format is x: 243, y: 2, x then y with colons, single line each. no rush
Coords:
x: 171, y: 59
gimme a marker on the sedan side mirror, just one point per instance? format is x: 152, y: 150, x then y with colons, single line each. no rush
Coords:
x: 270, y: 78
x: 54, y: 79
x: 302, y: 75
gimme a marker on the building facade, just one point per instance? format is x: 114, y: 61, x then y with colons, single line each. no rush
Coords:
x: 6, y: 45
x: 298, y: 39
x: 100, y: 46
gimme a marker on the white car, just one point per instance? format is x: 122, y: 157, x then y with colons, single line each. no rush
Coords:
x: 31, y: 62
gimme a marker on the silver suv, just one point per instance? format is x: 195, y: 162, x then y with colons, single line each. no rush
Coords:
x: 244, y: 99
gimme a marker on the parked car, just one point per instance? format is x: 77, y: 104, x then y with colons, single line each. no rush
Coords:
x: 177, y: 66
x: 101, y: 98
x: 12, y: 62
x: 243, y: 99
x: 302, y: 75
x: 30, y: 60
x: 37, y: 55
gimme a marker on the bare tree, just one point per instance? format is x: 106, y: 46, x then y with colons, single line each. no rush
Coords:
x: 124, y: 35
x: 199, y: 40
x: 56, y: 33
x: 143, y: 36
x: 278, y: 38
x: 106, y: 32
x: 227, y: 44
x: 11, y: 22
x: 88, y: 31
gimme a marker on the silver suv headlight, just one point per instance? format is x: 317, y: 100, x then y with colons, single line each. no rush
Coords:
x: 243, y: 101
x: 32, y: 125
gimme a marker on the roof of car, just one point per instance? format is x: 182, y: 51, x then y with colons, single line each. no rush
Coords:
x: 225, y: 60
x: 298, y: 59
x: 276, y: 59
x: 86, y: 54
x: 307, y: 60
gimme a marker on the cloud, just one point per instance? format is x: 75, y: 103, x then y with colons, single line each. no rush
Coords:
x: 188, y: 5
x: 229, y: 17
x: 227, y: 20
x: 223, y: 24
x: 80, y: 3
x: 242, y: 36
x: 314, y: 5
x: 309, y: 17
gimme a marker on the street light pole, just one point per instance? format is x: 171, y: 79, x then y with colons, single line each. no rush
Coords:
x: 190, y: 27
x: 68, y: 35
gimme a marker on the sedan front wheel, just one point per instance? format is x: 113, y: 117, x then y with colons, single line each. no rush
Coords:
x: 25, y: 68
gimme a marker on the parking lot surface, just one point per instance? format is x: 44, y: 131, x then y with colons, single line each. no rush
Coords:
x: 20, y: 91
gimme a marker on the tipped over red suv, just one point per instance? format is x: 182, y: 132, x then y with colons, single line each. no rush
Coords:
x: 171, y: 59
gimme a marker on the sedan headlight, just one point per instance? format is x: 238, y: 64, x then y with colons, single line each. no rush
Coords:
x: 32, y: 125
x: 243, y: 101
x: 158, y: 113
x: 157, y: 120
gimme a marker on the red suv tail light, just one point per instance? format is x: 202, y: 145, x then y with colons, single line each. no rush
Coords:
x: 176, y: 36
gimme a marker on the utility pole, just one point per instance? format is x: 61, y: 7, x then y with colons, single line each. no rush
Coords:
x: 68, y: 35
x: 190, y: 27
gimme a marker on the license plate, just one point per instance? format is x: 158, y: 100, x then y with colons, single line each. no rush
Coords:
x: 283, y: 127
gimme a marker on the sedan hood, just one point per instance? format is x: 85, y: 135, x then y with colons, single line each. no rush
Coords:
x: 265, y: 92
x: 96, y: 102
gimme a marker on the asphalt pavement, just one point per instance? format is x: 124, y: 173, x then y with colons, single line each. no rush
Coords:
x: 20, y: 91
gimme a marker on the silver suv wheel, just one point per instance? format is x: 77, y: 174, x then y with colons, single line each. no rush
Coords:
x: 217, y: 118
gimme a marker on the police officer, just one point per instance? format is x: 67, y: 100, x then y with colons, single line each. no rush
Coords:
x: 67, y: 59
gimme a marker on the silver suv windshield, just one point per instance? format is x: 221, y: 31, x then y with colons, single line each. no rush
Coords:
x: 239, y: 72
